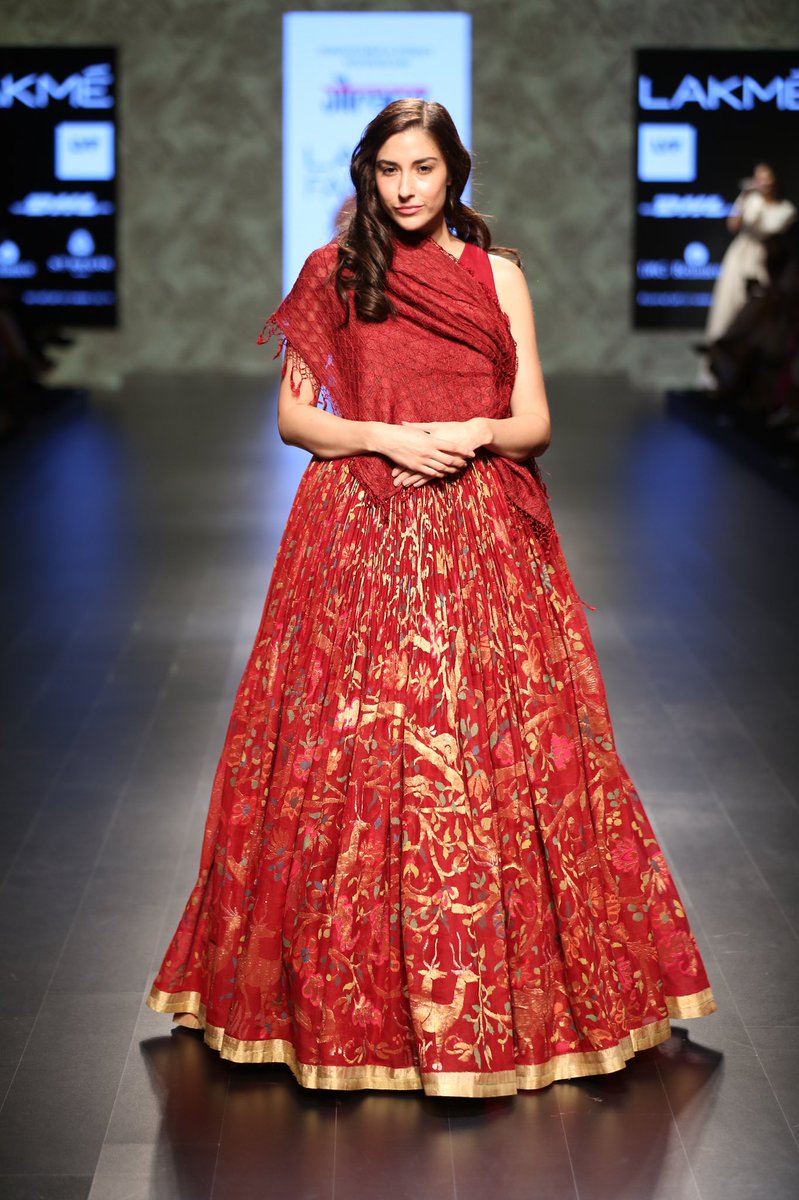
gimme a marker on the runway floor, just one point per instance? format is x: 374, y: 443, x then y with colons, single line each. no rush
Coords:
x: 137, y: 546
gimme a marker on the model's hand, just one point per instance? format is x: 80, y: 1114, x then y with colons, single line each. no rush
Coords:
x: 464, y: 437
x: 403, y: 478
x: 461, y: 436
x: 424, y: 455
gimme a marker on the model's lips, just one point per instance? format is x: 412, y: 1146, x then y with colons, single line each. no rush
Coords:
x: 407, y: 210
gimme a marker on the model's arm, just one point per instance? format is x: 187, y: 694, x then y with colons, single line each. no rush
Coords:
x: 326, y: 435
x: 527, y: 433
x: 301, y: 423
x: 735, y: 219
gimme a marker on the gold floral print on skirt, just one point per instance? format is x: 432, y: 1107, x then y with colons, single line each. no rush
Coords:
x: 425, y: 865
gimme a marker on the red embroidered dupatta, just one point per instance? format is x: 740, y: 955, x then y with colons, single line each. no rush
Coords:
x: 447, y: 355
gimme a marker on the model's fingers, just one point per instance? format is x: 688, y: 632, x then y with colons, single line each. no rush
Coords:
x: 451, y: 448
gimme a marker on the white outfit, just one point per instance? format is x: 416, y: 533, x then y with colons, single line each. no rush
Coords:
x: 745, y: 257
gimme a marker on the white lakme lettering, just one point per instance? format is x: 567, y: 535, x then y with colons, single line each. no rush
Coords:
x: 740, y: 92
x: 83, y: 89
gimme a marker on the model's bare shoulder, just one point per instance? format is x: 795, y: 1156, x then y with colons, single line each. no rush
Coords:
x: 509, y: 279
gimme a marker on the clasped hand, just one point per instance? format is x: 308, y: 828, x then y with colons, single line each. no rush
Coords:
x: 428, y: 450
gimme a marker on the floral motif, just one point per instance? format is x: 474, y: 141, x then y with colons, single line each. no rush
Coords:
x: 625, y: 856
x: 241, y: 812
x: 423, y: 855
x: 562, y: 750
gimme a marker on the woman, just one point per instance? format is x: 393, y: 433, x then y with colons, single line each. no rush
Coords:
x: 424, y: 864
x: 759, y: 215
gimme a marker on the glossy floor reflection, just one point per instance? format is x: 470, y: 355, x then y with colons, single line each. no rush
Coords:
x: 137, y: 546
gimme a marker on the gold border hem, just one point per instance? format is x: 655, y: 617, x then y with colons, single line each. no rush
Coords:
x: 445, y: 1083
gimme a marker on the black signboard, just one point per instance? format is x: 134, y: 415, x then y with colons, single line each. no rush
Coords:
x: 703, y: 120
x: 58, y: 182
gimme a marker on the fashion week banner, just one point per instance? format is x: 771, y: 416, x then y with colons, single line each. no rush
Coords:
x: 339, y: 70
x: 703, y: 120
x: 58, y: 115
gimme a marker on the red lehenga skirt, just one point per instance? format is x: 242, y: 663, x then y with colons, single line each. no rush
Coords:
x: 424, y: 864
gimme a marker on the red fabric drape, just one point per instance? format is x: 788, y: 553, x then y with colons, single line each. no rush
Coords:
x: 447, y: 355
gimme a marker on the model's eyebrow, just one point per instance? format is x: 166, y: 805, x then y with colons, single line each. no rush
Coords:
x: 386, y: 162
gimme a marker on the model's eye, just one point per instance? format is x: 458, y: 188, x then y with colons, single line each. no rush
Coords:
x: 425, y: 168
x: 387, y: 170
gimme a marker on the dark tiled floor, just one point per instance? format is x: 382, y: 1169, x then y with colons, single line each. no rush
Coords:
x: 135, y: 564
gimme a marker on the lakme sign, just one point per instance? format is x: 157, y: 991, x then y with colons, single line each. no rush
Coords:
x: 702, y: 120
x: 739, y: 92
x: 88, y: 88
x: 58, y: 189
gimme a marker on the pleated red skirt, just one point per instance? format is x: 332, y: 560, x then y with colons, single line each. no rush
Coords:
x: 424, y: 864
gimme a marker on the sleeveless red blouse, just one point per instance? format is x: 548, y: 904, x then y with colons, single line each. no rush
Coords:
x: 477, y: 263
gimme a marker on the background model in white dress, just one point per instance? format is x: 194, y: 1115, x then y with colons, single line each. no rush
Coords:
x: 745, y: 257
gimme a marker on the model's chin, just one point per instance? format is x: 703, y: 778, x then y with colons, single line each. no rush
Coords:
x: 420, y: 223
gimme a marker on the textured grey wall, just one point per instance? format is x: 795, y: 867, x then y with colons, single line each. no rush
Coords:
x: 200, y: 156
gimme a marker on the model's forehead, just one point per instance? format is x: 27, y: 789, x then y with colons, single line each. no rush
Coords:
x: 411, y: 144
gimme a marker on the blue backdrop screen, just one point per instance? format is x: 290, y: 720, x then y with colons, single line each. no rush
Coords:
x: 339, y: 70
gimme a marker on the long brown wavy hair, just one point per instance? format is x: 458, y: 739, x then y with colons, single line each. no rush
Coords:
x: 366, y: 245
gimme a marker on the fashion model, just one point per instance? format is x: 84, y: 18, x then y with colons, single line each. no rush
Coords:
x: 424, y: 865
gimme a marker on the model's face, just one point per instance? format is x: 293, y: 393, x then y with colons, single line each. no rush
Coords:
x: 412, y: 179
x: 765, y: 180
